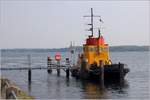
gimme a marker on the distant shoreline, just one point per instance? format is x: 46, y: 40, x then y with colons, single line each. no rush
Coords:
x: 129, y: 48
x: 79, y: 48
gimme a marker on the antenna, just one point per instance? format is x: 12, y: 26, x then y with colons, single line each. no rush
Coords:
x: 99, y: 33
x: 91, y: 29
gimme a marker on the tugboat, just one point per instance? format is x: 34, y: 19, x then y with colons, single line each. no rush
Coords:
x: 94, y: 62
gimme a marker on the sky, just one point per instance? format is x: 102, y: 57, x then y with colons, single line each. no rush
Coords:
x: 54, y: 24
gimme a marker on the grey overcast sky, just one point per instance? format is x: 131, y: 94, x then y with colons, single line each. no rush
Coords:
x: 53, y: 24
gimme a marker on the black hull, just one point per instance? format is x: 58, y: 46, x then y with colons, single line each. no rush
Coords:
x: 114, y: 72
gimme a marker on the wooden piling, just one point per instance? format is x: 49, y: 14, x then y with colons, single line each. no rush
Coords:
x: 121, y: 67
x: 83, y: 71
x: 29, y: 75
x: 49, y: 63
x: 68, y: 66
x: 29, y: 69
x: 101, y: 73
x: 58, y: 68
x: 67, y: 73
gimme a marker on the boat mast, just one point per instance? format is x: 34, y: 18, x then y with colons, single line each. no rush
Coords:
x: 92, y: 21
x: 91, y: 29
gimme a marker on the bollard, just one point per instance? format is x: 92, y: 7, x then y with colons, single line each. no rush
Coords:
x: 58, y: 68
x: 49, y: 63
x: 102, y: 73
x: 67, y: 70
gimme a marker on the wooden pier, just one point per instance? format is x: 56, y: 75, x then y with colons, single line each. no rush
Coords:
x: 50, y: 66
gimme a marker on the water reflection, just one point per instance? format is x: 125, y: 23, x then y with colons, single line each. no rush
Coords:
x: 89, y: 89
x: 67, y: 82
x: 115, y: 85
x: 94, y: 89
x: 29, y: 87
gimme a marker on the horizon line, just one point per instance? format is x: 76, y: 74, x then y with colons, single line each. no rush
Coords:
x: 68, y: 47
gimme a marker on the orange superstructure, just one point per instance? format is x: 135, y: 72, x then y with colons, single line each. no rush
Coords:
x: 95, y: 50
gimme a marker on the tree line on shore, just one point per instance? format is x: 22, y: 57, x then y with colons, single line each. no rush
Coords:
x: 79, y: 48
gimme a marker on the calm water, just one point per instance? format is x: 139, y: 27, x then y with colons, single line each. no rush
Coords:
x: 46, y: 85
